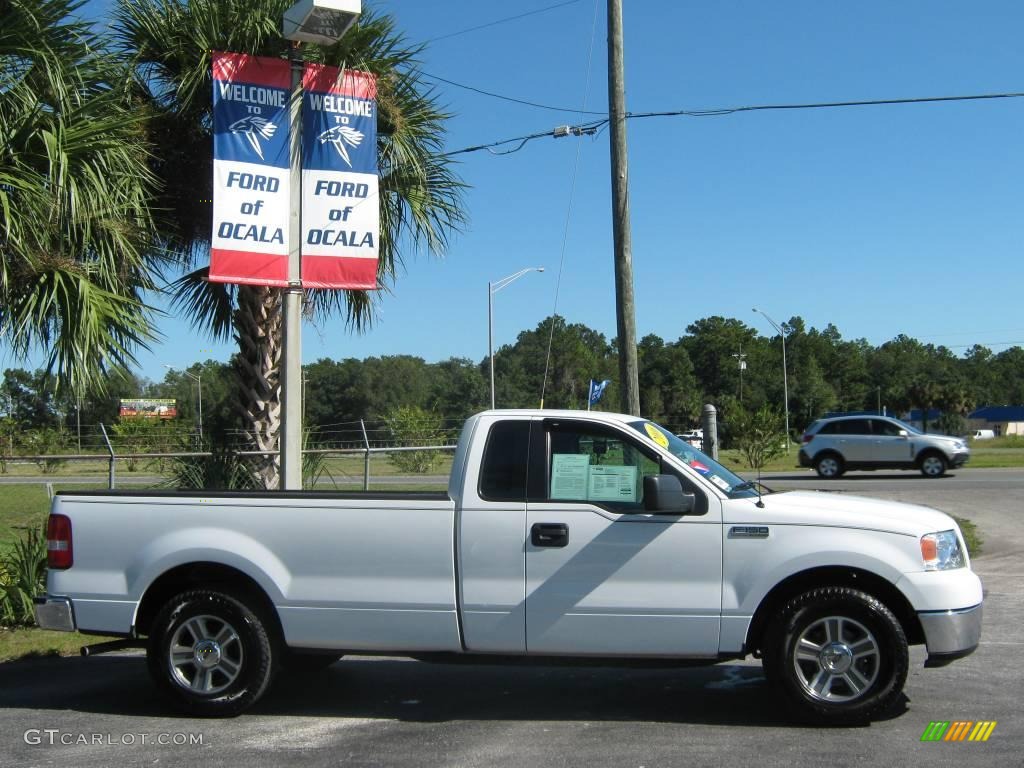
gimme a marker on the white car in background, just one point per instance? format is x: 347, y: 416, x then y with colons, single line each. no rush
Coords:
x: 835, y: 445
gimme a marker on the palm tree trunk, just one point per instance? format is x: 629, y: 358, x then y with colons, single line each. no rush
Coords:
x: 258, y: 331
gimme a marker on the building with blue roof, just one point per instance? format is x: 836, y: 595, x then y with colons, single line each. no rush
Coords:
x: 1001, y: 419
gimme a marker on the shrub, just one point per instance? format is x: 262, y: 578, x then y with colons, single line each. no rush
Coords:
x: 223, y: 471
x: 43, y: 441
x: 759, y: 436
x: 411, y: 426
x: 22, y: 577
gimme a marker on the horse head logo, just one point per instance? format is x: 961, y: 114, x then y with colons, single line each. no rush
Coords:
x: 253, y: 127
x: 339, y: 136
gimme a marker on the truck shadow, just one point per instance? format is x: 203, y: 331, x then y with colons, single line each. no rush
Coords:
x: 410, y: 691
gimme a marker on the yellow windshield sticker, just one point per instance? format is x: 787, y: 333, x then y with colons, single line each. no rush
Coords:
x: 656, y: 435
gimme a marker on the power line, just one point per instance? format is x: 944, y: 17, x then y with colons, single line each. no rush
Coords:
x: 586, y: 129
x: 568, y: 215
x: 507, y: 98
x: 501, y: 21
x: 595, y: 125
x: 824, y: 105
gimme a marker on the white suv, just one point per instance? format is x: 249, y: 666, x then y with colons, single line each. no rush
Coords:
x: 833, y: 446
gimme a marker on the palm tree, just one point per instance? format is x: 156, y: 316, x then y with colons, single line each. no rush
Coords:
x: 420, y: 196
x: 74, y: 190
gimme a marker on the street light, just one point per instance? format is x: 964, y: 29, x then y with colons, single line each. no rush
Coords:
x: 324, y: 22
x: 320, y: 21
x: 198, y: 378
x: 493, y: 288
x: 741, y: 359
x: 785, y: 376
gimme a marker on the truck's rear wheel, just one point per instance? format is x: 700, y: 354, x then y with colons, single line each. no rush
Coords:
x: 838, y: 653
x: 210, y: 653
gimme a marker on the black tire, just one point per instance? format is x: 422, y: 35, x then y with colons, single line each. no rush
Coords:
x: 225, y: 658
x: 932, y: 464
x: 839, y: 655
x: 829, y: 466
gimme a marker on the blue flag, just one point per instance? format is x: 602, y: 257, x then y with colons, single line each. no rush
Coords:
x: 596, y: 390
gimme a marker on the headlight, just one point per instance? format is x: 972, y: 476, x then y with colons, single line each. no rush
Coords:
x: 941, y: 551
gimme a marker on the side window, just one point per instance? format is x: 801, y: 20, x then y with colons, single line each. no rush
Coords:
x: 856, y: 427
x: 503, y: 473
x: 886, y: 428
x: 832, y: 428
x: 588, y: 464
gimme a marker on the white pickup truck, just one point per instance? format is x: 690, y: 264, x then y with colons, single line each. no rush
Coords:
x: 563, y: 534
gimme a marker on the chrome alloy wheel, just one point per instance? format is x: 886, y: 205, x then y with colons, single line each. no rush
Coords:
x: 205, y: 655
x: 836, y: 659
x: 933, y: 466
x: 828, y: 467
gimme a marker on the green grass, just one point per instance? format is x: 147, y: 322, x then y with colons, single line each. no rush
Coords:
x: 23, y: 642
x: 733, y: 459
x: 21, y: 506
x: 998, y: 452
x: 972, y: 538
x: 99, y: 467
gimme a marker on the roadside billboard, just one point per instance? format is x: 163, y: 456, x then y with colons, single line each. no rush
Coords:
x: 149, y: 408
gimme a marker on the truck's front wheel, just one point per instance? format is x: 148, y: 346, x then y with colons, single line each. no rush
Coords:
x: 210, y: 653
x: 838, y: 653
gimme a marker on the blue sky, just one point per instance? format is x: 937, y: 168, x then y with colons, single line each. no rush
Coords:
x: 882, y: 220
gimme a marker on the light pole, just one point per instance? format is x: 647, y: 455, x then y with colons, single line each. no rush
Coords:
x: 198, y: 379
x: 493, y: 288
x: 785, y: 376
x: 307, y: 21
x: 741, y: 358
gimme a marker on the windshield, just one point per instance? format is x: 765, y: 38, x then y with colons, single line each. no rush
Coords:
x: 734, y: 486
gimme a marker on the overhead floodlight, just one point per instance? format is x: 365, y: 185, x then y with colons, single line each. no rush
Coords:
x: 320, y: 21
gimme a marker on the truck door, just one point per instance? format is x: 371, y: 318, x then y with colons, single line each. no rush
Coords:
x: 491, y: 522
x: 604, y: 577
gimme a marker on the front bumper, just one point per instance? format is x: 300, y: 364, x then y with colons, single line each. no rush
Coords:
x: 54, y: 613
x: 950, y: 635
x: 959, y: 459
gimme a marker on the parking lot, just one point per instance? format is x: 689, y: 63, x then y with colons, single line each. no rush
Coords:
x: 396, y: 712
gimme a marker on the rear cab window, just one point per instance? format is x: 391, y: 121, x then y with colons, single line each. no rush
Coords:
x: 503, y: 472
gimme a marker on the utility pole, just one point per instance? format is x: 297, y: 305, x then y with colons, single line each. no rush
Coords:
x: 624, y: 310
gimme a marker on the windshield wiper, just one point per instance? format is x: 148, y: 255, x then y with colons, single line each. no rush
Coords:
x: 749, y: 485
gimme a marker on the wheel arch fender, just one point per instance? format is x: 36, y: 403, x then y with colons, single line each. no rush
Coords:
x: 185, y: 560
x: 860, y: 579
x: 828, y: 452
x: 930, y: 451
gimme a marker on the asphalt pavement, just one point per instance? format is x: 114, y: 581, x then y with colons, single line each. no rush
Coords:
x: 394, y: 712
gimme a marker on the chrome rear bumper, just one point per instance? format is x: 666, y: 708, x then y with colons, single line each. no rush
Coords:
x: 54, y: 613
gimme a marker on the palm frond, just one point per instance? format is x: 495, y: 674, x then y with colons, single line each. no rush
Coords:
x: 209, y: 305
x: 76, y: 238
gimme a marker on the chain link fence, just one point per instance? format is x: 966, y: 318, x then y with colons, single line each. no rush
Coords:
x: 344, y: 455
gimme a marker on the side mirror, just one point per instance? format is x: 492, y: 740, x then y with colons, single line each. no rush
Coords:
x: 663, y: 494
x: 903, y: 433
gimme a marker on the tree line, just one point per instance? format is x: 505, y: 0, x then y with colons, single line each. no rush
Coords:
x: 825, y: 373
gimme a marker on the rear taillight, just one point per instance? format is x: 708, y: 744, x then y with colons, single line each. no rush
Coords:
x: 60, y: 553
x: 806, y: 438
